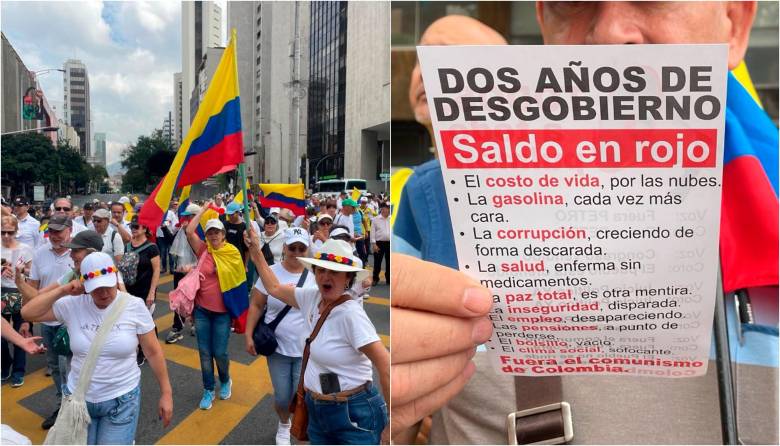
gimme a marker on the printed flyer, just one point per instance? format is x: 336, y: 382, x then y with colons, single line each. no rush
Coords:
x: 584, y: 185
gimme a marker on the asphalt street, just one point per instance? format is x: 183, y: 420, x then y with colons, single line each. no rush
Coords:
x: 246, y: 418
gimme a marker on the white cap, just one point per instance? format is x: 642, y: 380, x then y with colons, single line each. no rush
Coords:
x: 296, y: 235
x: 97, y: 271
x: 124, y: 200
x: 338, y: 231
x: 363, y: 199
x: 191, y: 209
x: 274, y: 210
x: 214, y: 223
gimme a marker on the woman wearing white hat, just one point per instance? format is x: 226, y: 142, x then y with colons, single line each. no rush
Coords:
x: 112, y: 388
x: 344, y: 406
x: 284, y: 364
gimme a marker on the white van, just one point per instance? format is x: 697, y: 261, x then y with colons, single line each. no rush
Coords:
x: 334, y: 187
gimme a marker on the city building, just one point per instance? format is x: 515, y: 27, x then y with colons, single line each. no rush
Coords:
x: 517, y: 22
x: 272, y: 45
x: 77, y: 103
x: 167, y: 130
x: 25, y: 105
x: 201, y: 23
x: 68, y: 135
x: 100, y: 149
x: 177, y: 110
x: 349, y: 93
x: 206, y: 70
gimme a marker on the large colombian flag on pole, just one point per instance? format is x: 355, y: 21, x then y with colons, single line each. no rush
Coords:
x: 749, y: 212
x: 213, y: 143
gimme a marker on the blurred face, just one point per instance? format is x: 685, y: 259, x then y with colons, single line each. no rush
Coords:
x: 117, y: 212
x: 385, y: 212
x: 619, y: 22
x: 347, y: 210
x: 332, y: 284
x: 215, y: 236
x: 101, y: 224
x: 58, y: 238
x: 9, y: 235
x: 331, y: 210
x: 63, y: 207
x: 235, y: 217
x: 325, y: 224
x: 137, y: 230
x: 78, y: 254
x: 270, y: 227
x: 103, y: 296
x: 88, y: 213
x: 292, y: 252
x: 21, y: 211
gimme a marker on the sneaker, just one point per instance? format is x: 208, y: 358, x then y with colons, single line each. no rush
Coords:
x: 225, y: 390
x: 49, y: 422
x: 174, y: 337
x: 5, y: 376
x: 17, y: 381
x: 208, y: 398
x: 283, y: 433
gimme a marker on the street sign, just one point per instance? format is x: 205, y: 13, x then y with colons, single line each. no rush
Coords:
x: 38, y: 193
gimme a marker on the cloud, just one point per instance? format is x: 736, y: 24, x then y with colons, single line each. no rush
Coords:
x: 131, y: 50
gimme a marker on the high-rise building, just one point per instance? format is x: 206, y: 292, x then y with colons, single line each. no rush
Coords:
x: 100, y: 148
x: 177, y: 110
x: 201, y: 28
x: 349, y: 93
x: 77, y: 103
x: 272, y: 45
x: 67, y: 134
x: 167, y: 130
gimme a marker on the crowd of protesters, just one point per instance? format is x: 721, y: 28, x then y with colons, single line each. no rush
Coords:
x: 65, y: 267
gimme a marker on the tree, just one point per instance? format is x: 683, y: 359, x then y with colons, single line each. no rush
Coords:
x: 28, y: 158
x: 146, y: 161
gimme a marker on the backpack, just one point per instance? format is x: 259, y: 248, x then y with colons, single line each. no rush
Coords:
x: 128, y: 264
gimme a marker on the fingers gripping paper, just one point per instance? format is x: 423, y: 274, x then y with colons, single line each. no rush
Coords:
x: 584, y: 186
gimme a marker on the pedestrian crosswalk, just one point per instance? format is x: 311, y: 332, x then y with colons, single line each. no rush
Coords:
x: 251, y: 386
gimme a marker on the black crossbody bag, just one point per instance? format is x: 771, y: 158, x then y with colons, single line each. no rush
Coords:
x: 264, y: 336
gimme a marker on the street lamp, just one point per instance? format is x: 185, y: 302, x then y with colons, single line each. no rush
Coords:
x: 47, y: 70
x: 44, y: 129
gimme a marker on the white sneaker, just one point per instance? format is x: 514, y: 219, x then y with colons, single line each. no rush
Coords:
x: 283, y: 433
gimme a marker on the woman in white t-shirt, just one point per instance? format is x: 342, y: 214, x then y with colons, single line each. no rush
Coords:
x: 114, y: 394
x: 344, y: 406
x: 14, y: 255
x: 284, y: 364
x: 273, y: 236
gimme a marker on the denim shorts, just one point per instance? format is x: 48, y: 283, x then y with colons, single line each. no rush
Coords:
x: 359, y: 420
x: 113, y: 421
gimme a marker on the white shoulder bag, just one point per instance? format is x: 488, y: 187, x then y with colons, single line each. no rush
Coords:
x: 73, y: 419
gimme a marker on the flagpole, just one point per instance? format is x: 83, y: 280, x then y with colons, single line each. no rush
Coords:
x: 241, y: 166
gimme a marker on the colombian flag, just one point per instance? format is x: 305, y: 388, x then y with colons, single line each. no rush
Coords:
x: 239, y: 198
x: 213, y: 144
x: 232, y: 282
x: 290, y: 196
x: 184, y: 200
x: 749, y: 211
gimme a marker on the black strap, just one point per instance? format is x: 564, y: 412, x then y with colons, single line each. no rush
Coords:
x: 278, y: 319
x: 532, y: 392
x: 130, y: 249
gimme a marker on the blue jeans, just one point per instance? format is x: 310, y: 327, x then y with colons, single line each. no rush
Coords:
x: 17, y: 362
x: 213, y: 332
x: 114, y: 421
x: 59, y: 365
x: 285, y: 372
x: 360, y: 420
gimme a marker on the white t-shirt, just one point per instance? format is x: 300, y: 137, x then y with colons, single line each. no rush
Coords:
x: 290, y: 331
x: 345, y: 220
x: 116, y: 371
x: 335, y: 349
x: 112, y: 243
x: 80, y: 220
x: 171, y: 220
x: 28, y: 232
x: 76, y: 228
x: 11, y: 257
x: 47, y: 267
x: 275, y: 242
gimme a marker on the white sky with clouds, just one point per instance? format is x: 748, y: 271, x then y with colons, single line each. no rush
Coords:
x: 131, y: 50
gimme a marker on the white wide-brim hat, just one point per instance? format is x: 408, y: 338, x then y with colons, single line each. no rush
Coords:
x: 97, y: 271
x: 336, y: 255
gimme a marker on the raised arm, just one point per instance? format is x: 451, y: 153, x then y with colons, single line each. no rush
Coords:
x: 285, y: 293
x: 195, y: 242
x: 39, y: 309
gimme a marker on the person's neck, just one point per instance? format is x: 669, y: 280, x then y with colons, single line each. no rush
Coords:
x: 61, y: 250
x: 292, y: 266
x: 22, y: 216
x: 138, y: 239
x: 11, y: 245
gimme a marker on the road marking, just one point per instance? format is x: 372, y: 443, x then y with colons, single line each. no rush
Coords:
x: 377, y: 300
x: 19, y: 417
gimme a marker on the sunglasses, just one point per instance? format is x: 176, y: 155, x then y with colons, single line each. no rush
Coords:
x: 8, y: 232
x: 62, y: 209
x: 297, y: 248
x: 270, y: 222
x: 326, y: 223
x: 134, y: 226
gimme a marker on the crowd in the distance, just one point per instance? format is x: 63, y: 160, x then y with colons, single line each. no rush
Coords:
x: 67, y: 272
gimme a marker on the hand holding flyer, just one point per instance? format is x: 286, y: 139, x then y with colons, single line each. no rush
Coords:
x: 584, y: 186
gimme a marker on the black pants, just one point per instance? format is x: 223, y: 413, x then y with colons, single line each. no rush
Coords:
x: 384, y: 251
x: 14, y: 364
